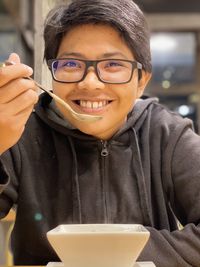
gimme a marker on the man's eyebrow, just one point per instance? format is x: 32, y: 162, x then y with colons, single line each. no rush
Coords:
x: 114, y: 54
x: 105, y: 55
x: 71, y: 54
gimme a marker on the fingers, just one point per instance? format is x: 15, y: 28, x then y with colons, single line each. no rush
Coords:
x: 14, y: 58
x: 13, y: 117
x: 12, y: 72
x: 13, y: 84
x: 12, y: 128
x: 25, y: 100
x: 14, y: 88
x: 11, y: 123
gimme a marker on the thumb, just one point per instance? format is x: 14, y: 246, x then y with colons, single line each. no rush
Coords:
x: 14, y: 58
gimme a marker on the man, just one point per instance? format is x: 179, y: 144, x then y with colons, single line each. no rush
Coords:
x: 137, y: 164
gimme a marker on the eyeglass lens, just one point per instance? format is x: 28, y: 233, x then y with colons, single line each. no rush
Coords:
x: 73, y: 70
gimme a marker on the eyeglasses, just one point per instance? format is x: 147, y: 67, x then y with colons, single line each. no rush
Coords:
x: 71, y: 70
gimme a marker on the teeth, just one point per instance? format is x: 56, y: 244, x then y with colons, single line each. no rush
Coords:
x: 94, y: 105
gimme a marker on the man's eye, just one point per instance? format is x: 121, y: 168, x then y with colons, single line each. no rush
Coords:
x: 71, y: 64
x: 113, y: 64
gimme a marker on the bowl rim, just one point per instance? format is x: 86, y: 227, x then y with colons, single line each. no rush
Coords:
x: 82, y: 229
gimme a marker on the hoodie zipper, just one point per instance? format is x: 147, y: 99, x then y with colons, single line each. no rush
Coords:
x: 104, y: 154
x: 104, y: 150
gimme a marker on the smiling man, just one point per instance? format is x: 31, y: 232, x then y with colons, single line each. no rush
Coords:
x: 109, y: 88
x: 138, y: 164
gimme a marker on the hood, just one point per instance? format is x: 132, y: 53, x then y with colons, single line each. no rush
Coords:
x: 49, y: 113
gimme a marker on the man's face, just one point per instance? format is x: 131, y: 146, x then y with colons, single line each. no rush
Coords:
x: 91, y: 96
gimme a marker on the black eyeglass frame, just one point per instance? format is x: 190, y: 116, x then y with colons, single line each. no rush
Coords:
x: 94, y: 63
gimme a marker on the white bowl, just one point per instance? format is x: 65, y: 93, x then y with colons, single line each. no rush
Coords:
x: 98, y: 245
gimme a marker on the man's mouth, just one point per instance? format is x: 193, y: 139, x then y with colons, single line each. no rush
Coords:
x: 92, y: 104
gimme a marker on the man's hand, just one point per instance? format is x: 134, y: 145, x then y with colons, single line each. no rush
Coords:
x: 17, y: 99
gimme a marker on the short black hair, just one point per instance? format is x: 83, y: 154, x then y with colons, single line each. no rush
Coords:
x: 123, y: 15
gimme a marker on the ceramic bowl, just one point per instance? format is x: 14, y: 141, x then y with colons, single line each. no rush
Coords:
x: 98, y: 245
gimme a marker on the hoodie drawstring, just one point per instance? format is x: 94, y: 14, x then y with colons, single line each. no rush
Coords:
x: 76, y: 180
x: 140, y: 180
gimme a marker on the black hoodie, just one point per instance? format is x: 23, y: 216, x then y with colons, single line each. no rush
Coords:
x: 147, y: 173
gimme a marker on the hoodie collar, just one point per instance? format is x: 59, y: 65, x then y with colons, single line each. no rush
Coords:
x: 138, y: 114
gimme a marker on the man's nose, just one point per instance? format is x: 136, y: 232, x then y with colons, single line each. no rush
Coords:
x: 91, y: 81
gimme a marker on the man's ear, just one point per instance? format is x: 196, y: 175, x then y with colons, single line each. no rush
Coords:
x: 143, y: 81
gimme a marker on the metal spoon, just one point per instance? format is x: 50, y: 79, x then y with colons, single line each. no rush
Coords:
x: 78, y: 116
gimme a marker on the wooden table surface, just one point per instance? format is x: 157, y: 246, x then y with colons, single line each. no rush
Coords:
x: 138, y: 264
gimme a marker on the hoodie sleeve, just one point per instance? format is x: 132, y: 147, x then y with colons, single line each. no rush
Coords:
x: 180, y: 248
x: 9, y: 169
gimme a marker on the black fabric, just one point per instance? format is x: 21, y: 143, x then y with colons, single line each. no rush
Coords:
x: 149, y: 174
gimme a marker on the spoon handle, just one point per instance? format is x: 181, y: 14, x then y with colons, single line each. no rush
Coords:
x: 55, y: 97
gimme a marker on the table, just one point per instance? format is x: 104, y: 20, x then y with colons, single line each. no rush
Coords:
x: 138, y: 264
x: 60, y: 264
x: 7, y: 224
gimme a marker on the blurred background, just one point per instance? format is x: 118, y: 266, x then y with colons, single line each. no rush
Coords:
x: 175, y: 46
